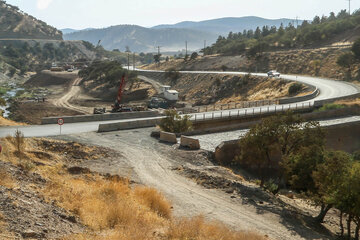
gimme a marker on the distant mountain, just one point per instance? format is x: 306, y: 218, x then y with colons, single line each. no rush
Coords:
x: 16, y: 24
x: 141, y: 39
x: 223, y: 26
x: 70, y: 30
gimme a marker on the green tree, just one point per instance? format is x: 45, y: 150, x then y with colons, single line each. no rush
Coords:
x: 328, y: 178
x: 175, y: 123
x: 356, y: 49
x: 346, y: 60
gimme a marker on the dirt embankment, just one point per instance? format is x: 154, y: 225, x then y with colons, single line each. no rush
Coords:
x: 204, y: 89
x: 314, y: 62
x: 50, y: 190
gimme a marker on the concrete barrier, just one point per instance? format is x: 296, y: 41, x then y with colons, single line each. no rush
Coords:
x: 109, y: 127
x: 168, y: 137
x: 300, y: 98
x: 192, y: 143
x: 101, y: 117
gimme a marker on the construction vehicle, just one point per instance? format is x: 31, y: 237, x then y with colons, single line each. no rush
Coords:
x: 117, y: 107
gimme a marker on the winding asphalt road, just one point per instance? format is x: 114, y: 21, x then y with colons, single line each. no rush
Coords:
x: 329, y: 89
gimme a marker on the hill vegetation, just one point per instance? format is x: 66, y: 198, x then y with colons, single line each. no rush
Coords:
x: 16, y: 24
x: 318, y: 32
x: 140, y: 39
x: 232, y: 24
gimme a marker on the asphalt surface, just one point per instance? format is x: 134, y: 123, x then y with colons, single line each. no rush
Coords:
x: 328, y: 89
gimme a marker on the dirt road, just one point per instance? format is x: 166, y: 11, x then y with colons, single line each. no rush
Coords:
x: 152, y: 163
x: 73, y: 92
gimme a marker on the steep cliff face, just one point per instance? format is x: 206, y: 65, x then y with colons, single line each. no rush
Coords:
x: 16, y: 24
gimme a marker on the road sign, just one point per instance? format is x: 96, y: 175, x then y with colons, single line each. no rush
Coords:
x: 60, y: 121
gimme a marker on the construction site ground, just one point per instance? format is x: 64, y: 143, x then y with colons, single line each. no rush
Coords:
x: 196, y: 185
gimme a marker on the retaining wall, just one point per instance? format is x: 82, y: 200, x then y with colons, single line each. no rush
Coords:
x: 101, y: 117
x: 300, y: 98
x: 109, y: 127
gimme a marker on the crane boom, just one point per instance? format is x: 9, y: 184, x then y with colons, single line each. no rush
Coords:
x: 121, y: 89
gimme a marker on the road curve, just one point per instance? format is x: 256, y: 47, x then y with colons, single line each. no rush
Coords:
x: 329, y: 89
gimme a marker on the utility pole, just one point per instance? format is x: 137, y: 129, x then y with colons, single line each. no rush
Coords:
x: 158, y: 47
x: 186, y: 49
x: 297, y: 21
x: 349, y: 6
x: 204, y: 46
x: 128, y: 61
x: 134, y: 61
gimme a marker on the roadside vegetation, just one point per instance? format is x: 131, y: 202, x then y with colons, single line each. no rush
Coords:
x: 267, y: 38
x: 288, y: 153
x: 109, y: 72
x: 93, y: 206
x: 350, y: 62
x: 175, y: 123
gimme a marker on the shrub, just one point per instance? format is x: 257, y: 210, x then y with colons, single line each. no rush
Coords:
x: 194, y: 55
x: 295, y: 88
x: 271, y: 186
x: 224, y: 68
x: 174, y: 123
x: 331, y: 106
x: 173, y: 74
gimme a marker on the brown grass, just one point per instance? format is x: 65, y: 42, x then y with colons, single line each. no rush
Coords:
x: 154, y: 200
x: 7, y: 122
x: 6, y: 179
x: 198, y: 228
x: 110, y: 208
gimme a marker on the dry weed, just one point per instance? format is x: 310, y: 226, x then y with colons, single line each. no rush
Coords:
x: 6, y: 179
x: 154, y: 200
x: 197, y: 228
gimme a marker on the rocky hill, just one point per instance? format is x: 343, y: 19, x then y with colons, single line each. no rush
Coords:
x: 16, y: 24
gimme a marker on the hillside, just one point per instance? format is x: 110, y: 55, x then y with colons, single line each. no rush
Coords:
x: 141, y: 39
x: 223, y: 26
x: 16, y: 24
x: 312, y: 62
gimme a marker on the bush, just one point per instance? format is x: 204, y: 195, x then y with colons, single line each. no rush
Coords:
x: 295, y: 88
x: 271, y: 186
x: 174, y: 123
x: 331, y: 106
x: 194, y: 55
x: 173, y: 74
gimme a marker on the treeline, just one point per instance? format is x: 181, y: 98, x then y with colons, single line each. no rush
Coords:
x: 288, y: 153
x: 316, y: 32
x: 25, y: 57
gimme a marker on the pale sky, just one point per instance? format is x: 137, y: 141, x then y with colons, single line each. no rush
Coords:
x: 80, y: 14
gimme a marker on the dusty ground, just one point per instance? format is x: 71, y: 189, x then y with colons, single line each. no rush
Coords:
x: 182, y: 175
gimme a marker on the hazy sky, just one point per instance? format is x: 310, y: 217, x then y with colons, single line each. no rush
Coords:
x: 81, y: 14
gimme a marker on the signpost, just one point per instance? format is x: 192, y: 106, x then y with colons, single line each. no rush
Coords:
x: 60, y: 122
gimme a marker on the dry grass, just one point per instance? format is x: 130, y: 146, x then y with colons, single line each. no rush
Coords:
x: 7, y: 122
x: 197, y: 228
x: 110, y: 208
x: 154, y: 200
x: 349, y: 102
x: 6, y: 179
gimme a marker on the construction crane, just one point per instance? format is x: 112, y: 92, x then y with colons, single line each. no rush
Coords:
x: 117, y: 107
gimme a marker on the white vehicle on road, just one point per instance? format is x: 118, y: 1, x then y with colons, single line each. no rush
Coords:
x: 273, y: 73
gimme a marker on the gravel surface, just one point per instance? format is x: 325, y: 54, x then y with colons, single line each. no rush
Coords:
x: 156, y: 165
